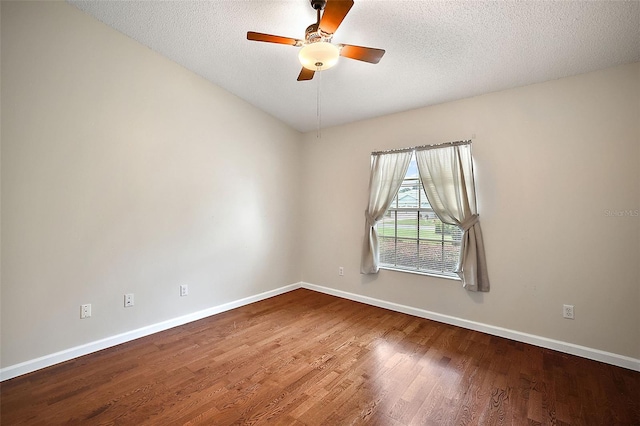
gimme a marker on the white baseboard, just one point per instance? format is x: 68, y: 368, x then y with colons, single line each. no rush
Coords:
x: 67, y: 354
x: 569, y: 348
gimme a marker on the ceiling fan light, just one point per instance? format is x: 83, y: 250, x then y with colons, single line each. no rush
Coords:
x: 319, y: 56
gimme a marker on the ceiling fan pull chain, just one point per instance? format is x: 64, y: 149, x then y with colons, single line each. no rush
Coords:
x: 318, y: 104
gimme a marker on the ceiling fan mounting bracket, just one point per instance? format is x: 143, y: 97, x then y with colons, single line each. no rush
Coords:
x: 318, y: 4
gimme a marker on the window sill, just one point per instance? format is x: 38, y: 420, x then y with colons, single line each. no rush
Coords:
x: 429, y: 274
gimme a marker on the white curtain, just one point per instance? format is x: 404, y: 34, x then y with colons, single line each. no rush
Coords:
x: 387, y: 173
x: 447, y: 177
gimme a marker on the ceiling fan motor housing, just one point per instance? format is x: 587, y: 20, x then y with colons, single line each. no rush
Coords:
x: 315, y: 34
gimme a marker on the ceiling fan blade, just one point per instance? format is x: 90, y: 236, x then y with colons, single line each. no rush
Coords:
x: 334, y: 13
x: 273, y: 38
x: 366, y: 54
x: 306, y: 74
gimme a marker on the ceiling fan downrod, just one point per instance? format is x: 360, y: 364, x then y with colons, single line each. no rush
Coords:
x: 318, y: 5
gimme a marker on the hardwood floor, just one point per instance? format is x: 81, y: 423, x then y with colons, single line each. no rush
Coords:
x: 306, y: 358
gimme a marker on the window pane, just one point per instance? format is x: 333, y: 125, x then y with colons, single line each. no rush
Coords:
x: 407, y: 225
x: 388, y: 251
x: 431, y: 256
x: 408, y: 194
x: 407, y: 253
x: 412, y: 171
x: 387, y: 226
x: 428, y: 225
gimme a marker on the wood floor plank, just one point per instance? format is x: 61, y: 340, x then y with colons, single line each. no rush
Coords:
x: 306, y: 358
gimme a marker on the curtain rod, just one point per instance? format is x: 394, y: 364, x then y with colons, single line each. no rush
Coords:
x: 424, y: 147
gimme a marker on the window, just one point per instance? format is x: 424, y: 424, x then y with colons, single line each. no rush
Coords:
x: 411, y: 236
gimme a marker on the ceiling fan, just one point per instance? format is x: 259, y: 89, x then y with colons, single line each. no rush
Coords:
x: 318, y: 53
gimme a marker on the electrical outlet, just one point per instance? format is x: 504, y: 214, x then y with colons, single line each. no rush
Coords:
x: 567, y: 311
x: 85, y: 311
x: 184, y: 290
x: 128, y: 300
x: 341, y: 271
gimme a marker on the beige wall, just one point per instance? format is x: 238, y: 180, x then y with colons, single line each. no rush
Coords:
x: 124, y: 173
x: 551, y: 159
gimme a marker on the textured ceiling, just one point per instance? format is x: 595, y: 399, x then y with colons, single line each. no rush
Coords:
x: 435, y: 51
